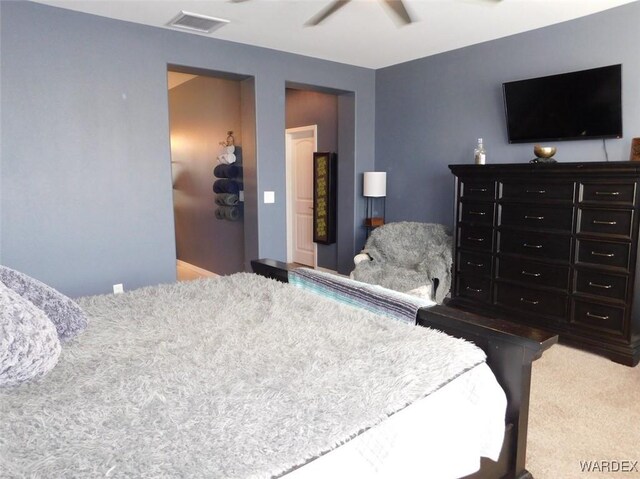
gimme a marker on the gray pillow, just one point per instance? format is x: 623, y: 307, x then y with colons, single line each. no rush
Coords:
x: 64, y: 313
x: 29, y: 344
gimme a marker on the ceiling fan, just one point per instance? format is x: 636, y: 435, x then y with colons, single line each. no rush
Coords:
x: 398, y: 8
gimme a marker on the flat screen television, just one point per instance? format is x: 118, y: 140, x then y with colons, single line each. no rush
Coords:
x: 579, y: 105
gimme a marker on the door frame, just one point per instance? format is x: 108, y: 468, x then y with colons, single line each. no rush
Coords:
x: 289, y: 133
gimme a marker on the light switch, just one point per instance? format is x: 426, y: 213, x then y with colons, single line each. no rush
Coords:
x: 269, y: 196
x: 241, y: 195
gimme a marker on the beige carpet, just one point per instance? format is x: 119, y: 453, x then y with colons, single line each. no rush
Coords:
x: 583, y: 408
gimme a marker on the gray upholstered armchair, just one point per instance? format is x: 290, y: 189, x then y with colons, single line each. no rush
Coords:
x: 408, y: 257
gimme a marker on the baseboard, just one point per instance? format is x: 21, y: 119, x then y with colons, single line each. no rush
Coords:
x: 187, y: 271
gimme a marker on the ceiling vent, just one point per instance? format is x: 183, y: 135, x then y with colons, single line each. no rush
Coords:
x: 194, y: 22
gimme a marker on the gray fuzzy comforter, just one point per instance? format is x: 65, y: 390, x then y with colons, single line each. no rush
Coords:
x: 237, y: 376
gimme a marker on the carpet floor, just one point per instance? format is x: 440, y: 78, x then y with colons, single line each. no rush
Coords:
x: 583, y: 408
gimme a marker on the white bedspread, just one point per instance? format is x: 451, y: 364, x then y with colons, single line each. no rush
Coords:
x: 438, y: 437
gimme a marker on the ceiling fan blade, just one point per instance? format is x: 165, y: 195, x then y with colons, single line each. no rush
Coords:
x: 400, y: 10
x: 323, y: 14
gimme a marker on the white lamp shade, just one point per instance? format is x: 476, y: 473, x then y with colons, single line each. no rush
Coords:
x: 375, y: 184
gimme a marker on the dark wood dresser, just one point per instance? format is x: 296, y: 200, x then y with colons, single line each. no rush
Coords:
x: 552, y: 246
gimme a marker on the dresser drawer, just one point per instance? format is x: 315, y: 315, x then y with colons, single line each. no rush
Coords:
x: 610, y: 222
x: 477, y: 189
x: 603, y: 253
x: 601, y: 284
x: 477, y: 213
x: 475, y: 237
x: 473, y: 287
x: 533, y: 272
x: 537, y: 191
x: 620, y: 193
x: 532, y: 300
x: 598, y: 317
x: 539, y: 217
x: 536, y: 245
x: 478, y: 264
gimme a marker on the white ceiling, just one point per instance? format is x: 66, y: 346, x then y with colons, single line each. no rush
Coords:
x: 361, y: 33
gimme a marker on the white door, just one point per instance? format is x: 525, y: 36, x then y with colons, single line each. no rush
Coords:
x: 301, y: 144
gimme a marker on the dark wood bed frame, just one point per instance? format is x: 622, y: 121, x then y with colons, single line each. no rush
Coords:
x: 510, y: 349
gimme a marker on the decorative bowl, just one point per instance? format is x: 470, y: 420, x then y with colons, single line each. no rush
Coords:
x: 544, y: 151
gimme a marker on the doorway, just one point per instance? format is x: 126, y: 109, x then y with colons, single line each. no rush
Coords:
x: 203, y: 110
x: 301, y: 143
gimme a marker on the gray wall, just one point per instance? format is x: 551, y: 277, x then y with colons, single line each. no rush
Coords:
x: 305, y: 108
x: 201, y: 111
x: 249, y: 170
x: 429, y: 112
x: 86, y: 179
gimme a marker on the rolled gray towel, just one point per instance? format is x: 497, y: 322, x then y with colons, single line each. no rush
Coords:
x: 220, y: 213
x: 226, y: 199
x: 231, y: 213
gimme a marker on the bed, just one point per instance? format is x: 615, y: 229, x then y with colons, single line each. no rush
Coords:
x: 510, y: 351
x: 242, y: 376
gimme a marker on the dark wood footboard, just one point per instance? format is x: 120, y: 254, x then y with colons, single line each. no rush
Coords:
x: 510, y: 349
x: 271, y: 269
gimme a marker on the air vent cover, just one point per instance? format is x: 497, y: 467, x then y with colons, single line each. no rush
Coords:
x: 195, y: 22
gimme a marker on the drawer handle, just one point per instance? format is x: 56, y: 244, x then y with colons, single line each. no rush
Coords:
x: 477, y: 265
x: 477, y: 213
x: 603, y: 286
x: 471, y: 238
x: 598, y: 222
x: 534, y: 246
x: 606, y: 255
x: 527, y: 217
x: 597, y: 316
x: 473, y: 289
x: 529, y: 301
x: 478, y: 190
x: 540, y: 192
x: 535, y: 275
x: 607, y: 193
